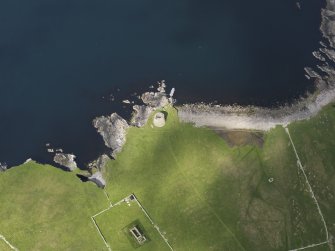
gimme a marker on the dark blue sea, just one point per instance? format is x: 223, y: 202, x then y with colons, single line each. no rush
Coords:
x: 60, y: 60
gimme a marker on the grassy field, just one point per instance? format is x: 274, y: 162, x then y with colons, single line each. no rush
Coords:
x: 45, y: 208
x: 315, y: 143
x: 4, y: 246
x: 208, y: 196
x: 202, y: 193
x: 115, y: 225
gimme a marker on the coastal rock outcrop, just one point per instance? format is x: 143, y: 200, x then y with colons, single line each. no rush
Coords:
x: 328, y: 22
x: 113, y: 130
x: 66, y: 160
x: 3, y: 167
x: 99, y: 163
x: 155, y: 99
x: 141, y: 115
x: 152, y: 101
x: 98, y: 179
x: 97, y: 171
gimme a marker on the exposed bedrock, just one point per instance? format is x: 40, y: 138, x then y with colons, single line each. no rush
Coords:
x: 152, y: 101
x: 66, y: 160
x: 328, y: 22
x: 3, y: 167
x: 99, y: 163
x: 98, y: 179
x: 155, y: 99
x: 141, y: 115
x: 113, y: 130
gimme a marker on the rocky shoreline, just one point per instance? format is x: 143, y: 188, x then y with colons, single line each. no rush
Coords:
x: 258, y: 118
x: 113, y: 128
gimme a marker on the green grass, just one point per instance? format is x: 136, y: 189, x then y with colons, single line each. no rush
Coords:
x: 115, y: 224
x: 315, y: 143
x: 208, y: 196
x: 45, y: 208
x: 202, y: 193
x: 4, y: 246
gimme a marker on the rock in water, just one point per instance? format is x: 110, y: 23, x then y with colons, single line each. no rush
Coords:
x: 155, y: 99
x: 113, y: 130
x: 161, y: 86
x: 141, y: 115
x: 66, y: 160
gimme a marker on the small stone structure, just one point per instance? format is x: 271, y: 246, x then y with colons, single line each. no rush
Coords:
x: 137, y: 235
x: 159, y: 119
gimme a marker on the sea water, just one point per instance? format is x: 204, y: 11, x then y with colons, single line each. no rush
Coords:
x: 64, y: 62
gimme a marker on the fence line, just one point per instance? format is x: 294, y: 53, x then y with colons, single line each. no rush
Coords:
x: 8, y: 243
x: 312, y: 194
x: 152, y: 222
x: 118, y: 203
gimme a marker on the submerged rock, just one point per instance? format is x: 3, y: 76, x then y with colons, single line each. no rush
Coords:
x: 66, y: 160
x: 141, y: 115
x: 113, y: 130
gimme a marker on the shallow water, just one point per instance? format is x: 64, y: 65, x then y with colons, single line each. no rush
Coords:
x: 60, y: 61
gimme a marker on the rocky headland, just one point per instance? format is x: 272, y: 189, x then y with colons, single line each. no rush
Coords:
x: 113, y: 130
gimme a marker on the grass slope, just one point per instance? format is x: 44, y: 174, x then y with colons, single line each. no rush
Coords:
x: 315, y: 143
x: 208, y: 196
x: 45, y: 208
x: 202, y: 193
x: 114, y: 224
x: 4, y: 246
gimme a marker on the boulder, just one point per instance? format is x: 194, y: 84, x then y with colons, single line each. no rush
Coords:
x: 3, y: 167
x: 113, y: 130
x: 66, y: 160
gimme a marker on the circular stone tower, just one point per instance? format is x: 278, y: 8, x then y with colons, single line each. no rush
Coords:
x: 159, y: 119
